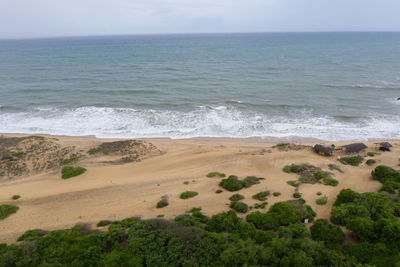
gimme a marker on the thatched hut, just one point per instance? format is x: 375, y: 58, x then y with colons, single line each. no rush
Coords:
x: 354, y: 148
x: 384, y: 146
x: 323, y: 150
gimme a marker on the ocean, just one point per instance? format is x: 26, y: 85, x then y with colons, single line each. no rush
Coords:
x: 331, y: 86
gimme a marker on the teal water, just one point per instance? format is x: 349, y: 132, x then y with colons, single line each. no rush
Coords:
x: 336, y: 86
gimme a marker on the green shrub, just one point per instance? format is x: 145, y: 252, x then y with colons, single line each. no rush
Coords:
x: 32, y: 235
x: 260, y: 205
x: 330, y: 181
x: 219, y: 191
x: 370, y: 162
x: 282, y: 144
x: 296, y: 230
x: 322, y: 230
x: 186, y: 182
x: 163, y: 202
x: 371, y: 154
x: 6, y: 210
x: 353, y: 161
x: 293, y: 183
x: 291, y: 168
x: 261, y: 196
x: 239, y: 206
x: 276, y: 194
x: 160, y: 216
x: 296, y: 195
x: 335, y: 167
x: 96, y: 150
x: 265, y: 221
x: 322, y: 200
x: 251, y: 180
x: 232, y: 183
x: 213, y: 174
x: 71, y: 171
x: 18, y: 154
x: 319, y: 193
x: 15, y: 197
x: 286, y: 213
x: 188, y: 194
x: 67, y: 161
x: 103, y: 223
x: 236, y: 197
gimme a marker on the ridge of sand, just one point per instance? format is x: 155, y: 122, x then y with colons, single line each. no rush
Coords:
x: 108, y: 191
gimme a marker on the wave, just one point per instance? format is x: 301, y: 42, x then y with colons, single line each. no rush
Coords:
x: 204, y: 121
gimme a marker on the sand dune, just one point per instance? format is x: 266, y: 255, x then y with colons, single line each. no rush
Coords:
x: 115, y: 191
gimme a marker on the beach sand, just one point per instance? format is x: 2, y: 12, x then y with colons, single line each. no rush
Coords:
x: 109, y: 191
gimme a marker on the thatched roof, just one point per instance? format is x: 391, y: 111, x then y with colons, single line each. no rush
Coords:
x: 323, y: 150
x: 355, y: 148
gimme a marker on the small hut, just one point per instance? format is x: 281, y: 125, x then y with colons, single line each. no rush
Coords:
x: 384, y: 146
x: 354, y: 148
x: 323, y: 150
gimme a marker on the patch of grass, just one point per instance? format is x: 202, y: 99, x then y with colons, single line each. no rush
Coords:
x: 322, y: 200
x: 67, y: 161
x: 319, y: 175
x: 371, y: 154
x: 163, y: 202
x: 353, y: 161
x: 236, y: 197
x: 6, y: 210
x: 319, y: 193
x: 291, y: 168
x: 370, y: 162
x: 71, y: 171
x: 251, y: 180
x: 330, y: 181
x: 186, y: 182
x: 296, y: 195
x: 232, y: 183
x: 160, y: 216
x: 293, y: 183
x: 96, y: 150
x: 239, y: 206
x: 188, y: 194
x: 103, y: 223
x: 335, y: 167
x: 276, y: 194
x: 214, y: 174
x: 282, y: 144
x: 261, y: 196
x: 15, y: 197
x: 219, y: 191
x: 18, y: 154
x: 260, y: 205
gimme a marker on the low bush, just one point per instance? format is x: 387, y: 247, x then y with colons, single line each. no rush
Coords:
x: 276, y: 194
x: 260, y: 205
x: 353, y: 161
x: 188, y: 194
x: 371, y: 154
x: 389, y: 177
x: 296, y: 195
x: 291, y: 168
x: 319, y: 193
x: 370, y: 162
x: 236, y: 197
x: 239, y: 206
x: 71, y: 171
x: 6, y: 210
x: 219, y: 191
x: 163, y: 202
x: 330, y: 181
x: 232, y: 183
x: 261, y: 196
x: 214, y: 174
x: 15, y: 197
x: 31, y: 235
x: 282, y: 144
x: 18, y: 154
x: 293, y: 183
x: 186, y: 182
x: 322, y: 200
x: 322, y: 230
x: 67, y: 161
x: 103, y: 223
x: 160, y: 216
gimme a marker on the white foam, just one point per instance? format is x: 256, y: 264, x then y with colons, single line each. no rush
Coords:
x: 207, y: 121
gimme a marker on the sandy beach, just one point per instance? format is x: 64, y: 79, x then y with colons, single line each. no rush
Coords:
x: 114, y: 190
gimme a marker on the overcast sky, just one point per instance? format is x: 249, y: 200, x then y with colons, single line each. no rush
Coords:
x: 47, y: 18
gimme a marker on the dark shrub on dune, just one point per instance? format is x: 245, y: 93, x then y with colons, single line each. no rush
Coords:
x: 71, y: 171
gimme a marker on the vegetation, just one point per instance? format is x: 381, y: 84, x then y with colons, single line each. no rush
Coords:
x: 239, y: 206
x: 103, y: 223
x: 160, y: 216
x: 276, y: 194
x: 370, y: 162
x: 232, y: 183
x: 6, y: 210
x: 236, y: 197
x: 319, y: 193
x: 261, y: 196
x: 163, y: 202
x: 334, y: 167
x: 96, y: 150
x: 296, y: 195
x: 71, y: 171
x: 353, y: 161
x: 260, y: 205
x: 389, y: 177
x: 188, y: 194
x: 214, y: 174
x: 186, y: 182
x: 371, y: 154
x: 18, y: 154
x: 292, y: 183
x: 322, y: 200
x: 330, y: 234
x: 219, y: 191
x: 282, y: 144
x: 15, y: 197
x: 67, y: 161
x: 330, y: 181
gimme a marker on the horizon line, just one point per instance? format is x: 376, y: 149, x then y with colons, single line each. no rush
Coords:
x: 180, y: 33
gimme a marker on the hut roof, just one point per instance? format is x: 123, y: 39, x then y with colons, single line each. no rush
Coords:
x: 355, y: 148
x: 326, y: 150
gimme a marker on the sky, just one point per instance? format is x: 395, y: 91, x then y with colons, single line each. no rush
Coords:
x: 52, y: 18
